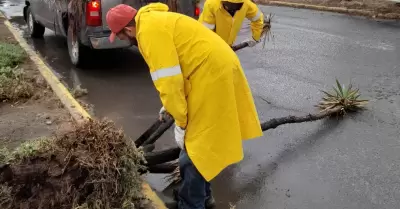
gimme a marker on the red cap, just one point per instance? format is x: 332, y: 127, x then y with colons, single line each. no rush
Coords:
x: 118, y: 17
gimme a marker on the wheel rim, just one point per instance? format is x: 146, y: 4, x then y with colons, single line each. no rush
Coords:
x: 75, y: 50
x: 30, y: 22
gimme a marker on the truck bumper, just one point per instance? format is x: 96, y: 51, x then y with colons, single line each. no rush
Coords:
x: 97, y: 38
x: 104, y: 43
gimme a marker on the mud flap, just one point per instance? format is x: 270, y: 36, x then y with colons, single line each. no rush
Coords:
x: 25, y: 16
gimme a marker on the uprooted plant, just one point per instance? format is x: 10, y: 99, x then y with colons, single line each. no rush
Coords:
x: 342, y: 97
x: 266, y: 33
x: 93, y: 166
x: 338, y: 102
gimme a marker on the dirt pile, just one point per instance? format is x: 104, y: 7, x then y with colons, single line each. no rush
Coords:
x: 92, y: 166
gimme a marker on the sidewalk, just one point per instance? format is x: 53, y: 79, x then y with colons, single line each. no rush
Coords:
x: 382, y: 9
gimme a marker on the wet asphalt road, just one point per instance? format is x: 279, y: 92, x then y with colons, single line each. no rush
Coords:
x: 352, y: 163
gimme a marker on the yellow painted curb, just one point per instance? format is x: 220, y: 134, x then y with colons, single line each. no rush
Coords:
x: 156, y: 202
x: 331, y: 9
x: 73, y: 106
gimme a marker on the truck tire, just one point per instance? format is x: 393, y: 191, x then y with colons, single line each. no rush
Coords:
x: 35, y: 29
x: 77, y: 52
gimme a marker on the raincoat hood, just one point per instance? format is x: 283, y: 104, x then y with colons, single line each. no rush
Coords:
x: 152, y: 7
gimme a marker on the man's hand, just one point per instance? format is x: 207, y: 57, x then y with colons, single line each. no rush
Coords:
x: 180, y: 137
x: 251, y: 42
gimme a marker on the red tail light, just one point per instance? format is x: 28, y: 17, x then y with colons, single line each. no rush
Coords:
x: 93, y: 13
x: 197, y: 11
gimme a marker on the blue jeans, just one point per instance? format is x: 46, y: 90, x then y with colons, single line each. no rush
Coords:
x: 195, y: 189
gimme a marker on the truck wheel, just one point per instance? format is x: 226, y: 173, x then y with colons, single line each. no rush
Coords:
x: 35, y: 29
x: 77, y: 52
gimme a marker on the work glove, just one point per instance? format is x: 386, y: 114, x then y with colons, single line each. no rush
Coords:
x: 162, y: 114
x: 251, y: 42
x: 180, y: 137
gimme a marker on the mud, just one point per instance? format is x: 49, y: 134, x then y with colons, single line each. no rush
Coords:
x: 5, y: 35
x: 28, y: 121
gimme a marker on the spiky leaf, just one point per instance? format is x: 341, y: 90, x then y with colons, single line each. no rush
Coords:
x: 339, y: 86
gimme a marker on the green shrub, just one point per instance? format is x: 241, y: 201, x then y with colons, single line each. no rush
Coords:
x: 11, y: 55
x: 13, y: 84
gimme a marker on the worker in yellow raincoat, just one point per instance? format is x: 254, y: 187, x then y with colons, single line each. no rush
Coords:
x: 225, y: 17
x: 201, y: 84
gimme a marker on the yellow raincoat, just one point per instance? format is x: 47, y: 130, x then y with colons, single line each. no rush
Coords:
x: 201, y: 84
x: 216, y: 18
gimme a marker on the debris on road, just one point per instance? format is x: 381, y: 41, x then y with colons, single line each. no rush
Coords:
x: 78, y: 91
x: 287, y: 193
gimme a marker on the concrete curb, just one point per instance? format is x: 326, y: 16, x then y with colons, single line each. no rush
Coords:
x: 76, y: 110
x: 331, y: 9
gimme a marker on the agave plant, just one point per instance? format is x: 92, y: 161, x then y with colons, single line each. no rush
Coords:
x: 266, y: 32
x: 342, y: 99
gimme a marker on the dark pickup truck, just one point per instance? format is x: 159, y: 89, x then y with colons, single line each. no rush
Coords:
x: 93, y: 31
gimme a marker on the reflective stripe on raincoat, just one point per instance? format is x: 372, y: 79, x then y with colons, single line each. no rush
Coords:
x: 216, y: 18
x: 201, y: 84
